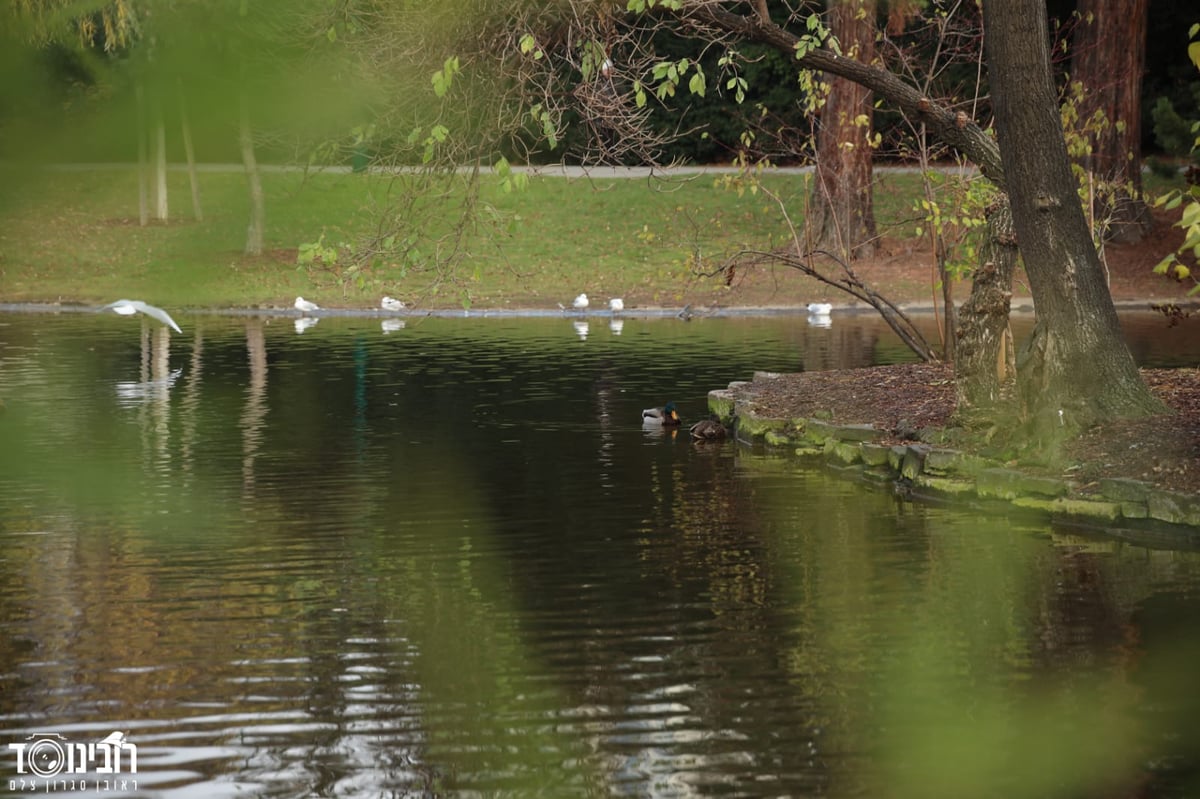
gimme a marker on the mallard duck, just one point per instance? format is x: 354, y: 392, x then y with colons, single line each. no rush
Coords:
x: 130, y: 307
x: 709, y: 429
x: 666, y: 416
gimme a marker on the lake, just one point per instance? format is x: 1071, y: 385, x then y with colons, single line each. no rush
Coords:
x: 443, y: 557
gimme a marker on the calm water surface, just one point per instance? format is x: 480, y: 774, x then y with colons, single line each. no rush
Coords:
x: 446, y: 559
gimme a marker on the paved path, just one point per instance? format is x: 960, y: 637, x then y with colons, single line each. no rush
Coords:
x: 549, y: 170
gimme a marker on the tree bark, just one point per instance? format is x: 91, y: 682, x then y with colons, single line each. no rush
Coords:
x: 1108, y: 58
x: 254, y: 232
x: 143, y: 168
x: 982, y: 352
x: 161, y: 208
x: 1076, y: 368
x: 841, y: 215
x: 189, y: 153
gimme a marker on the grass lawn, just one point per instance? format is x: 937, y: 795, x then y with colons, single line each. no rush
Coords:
x: 73, y: 236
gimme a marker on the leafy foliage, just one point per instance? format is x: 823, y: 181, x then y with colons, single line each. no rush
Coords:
x: 1183, y: 261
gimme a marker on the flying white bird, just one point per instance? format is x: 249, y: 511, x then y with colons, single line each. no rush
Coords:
x: 820, y: 308
x: 616, y: 304
x: 304, y: 306
x: 130, y: 307
x: 391, y: 304
x: 580, y: 302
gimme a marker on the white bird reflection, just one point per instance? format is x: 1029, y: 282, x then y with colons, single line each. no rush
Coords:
x: 616, y: 326
x: 392, y: 325
x: 817, y: 320
x: 134, y: 392
x: 305, y: 322
x: 581, y: 328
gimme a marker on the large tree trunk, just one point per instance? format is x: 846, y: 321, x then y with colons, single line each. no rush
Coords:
x: 1076, y: 367
x: 841, y: 216
x: 1108, y: 58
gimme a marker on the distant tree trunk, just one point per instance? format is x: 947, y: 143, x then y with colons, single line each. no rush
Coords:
x: 160, y: 167
x: 841, y: 216
x: 254, y: 232
x: 190, y: 153
x: 143, y: 169
x: 1108, y: 58
x: 1076, y: 367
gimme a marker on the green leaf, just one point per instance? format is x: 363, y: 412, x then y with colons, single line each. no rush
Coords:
x: 1163, y: 266
x: 1191, y: 215
x: 696, y: 84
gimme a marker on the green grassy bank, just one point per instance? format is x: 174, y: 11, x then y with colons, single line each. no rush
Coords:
x: 73, y: 236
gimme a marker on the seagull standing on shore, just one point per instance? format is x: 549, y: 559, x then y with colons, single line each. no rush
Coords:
x: 130, y: 307
x: 580, y: 303
x: 616, y: 305
x: 391, y: 304
x: 304, y: 306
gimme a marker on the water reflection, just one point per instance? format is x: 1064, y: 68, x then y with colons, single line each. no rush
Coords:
x: 331, y: 565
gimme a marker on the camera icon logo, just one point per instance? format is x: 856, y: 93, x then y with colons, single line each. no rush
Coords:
x: 45, y: 754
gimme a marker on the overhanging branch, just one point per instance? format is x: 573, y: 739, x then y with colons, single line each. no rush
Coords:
x: 953, y: 128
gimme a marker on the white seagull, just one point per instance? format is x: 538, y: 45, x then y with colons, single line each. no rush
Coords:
x: 391, y: 304
x: 616, y: 305
x: 580, y: 303
x: 304, y: 306
x: 130, y: 307
x: 820, y: 308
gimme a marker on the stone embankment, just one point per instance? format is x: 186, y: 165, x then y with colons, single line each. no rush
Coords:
x: 926, y: 471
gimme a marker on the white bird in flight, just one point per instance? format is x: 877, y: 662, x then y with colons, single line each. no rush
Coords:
x: 130, y: 307
x: 391, y: 304
x: 580, y: 302
x: 304, y: 306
